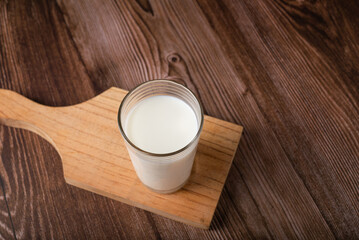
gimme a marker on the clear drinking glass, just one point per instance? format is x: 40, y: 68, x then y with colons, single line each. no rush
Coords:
x: 163, y: 173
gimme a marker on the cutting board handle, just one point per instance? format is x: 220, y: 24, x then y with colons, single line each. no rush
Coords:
x: 20, y: 112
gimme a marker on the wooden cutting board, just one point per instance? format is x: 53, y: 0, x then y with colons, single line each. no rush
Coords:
x: 94, y: 156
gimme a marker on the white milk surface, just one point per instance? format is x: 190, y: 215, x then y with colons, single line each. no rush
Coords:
x: 161, y: 124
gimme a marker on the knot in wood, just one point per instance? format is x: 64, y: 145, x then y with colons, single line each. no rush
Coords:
x: 174, y: 58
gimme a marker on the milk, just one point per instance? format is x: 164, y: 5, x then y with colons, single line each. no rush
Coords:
x: 162, y: 124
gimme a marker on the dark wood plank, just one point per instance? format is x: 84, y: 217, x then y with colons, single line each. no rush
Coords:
x: 304, y: 77
x: 285, y: 70
x: 38, y: 57
x: 6, y: 225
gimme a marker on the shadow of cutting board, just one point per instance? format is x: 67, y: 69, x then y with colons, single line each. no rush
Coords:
x: 95, y: 158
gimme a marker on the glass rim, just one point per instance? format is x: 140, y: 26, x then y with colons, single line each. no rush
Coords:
x: 160, y: 154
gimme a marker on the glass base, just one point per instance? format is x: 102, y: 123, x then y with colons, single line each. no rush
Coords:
x: 168, y: 191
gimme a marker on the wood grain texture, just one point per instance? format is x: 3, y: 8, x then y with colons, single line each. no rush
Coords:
x: 6, y: 224
x: 285, y: 70
x: 94, y: 156
x: 317, y: 77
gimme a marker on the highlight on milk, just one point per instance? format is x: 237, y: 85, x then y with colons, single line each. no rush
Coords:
x: 161, y: 121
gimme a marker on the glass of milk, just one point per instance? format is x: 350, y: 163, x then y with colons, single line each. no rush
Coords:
x: 161, y: 122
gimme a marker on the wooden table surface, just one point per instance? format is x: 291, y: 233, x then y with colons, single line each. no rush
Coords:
x: 285, y: 70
